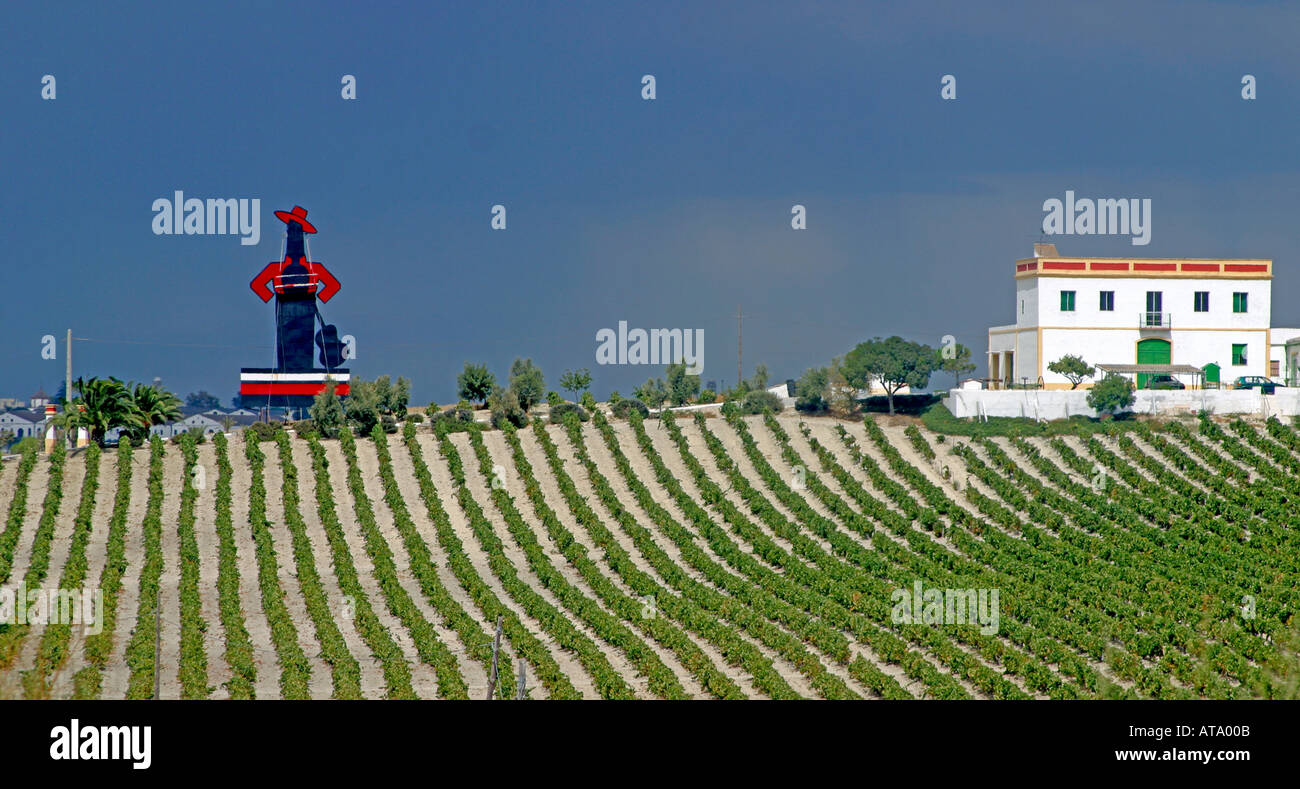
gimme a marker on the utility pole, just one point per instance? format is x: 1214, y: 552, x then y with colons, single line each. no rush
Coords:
x: 67, y: 380
x: 522, y: 679
x: 496, y: 648
x: 740, y: 346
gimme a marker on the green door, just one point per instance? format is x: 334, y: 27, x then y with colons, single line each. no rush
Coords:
x: 1211, y: 375
x: 1152, y: 351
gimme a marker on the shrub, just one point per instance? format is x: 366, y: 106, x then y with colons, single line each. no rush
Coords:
x: 304, y: 428
x: 1110, y: 394
x: 506, y: 408
x: 262, y: 431
x: 26, y: 444
x: 623, y: 407
x: 707, y: 396
x: 761, y: 401
x: 195, y: 433
x: 553, y: 399
x: 416, y: 418
x: 560, y: 411
x: 588, y: 401
x: 389, y: 423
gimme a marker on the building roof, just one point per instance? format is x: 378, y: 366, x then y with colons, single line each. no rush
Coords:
x: 40, y: 395
x: 1176, y: 268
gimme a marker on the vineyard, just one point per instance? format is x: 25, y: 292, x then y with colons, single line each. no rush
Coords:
x: 675, y: 558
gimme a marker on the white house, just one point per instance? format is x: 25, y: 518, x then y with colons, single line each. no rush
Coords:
x: 1180, y: 311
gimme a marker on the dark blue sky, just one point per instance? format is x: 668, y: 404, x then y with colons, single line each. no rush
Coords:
x: 665, y: 213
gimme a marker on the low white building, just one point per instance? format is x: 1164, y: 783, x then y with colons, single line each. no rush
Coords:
x: 1181, y: 311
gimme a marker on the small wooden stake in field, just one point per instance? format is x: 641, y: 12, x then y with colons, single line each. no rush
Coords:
x: 522, y: 679
x: 496, y: 647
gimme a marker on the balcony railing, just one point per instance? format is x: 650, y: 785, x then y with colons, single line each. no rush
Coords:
x: 1154, y: 320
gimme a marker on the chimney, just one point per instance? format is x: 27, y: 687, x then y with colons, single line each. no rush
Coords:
x: 1045, y: 251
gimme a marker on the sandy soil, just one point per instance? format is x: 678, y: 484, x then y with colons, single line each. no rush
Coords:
x: 169, y: 686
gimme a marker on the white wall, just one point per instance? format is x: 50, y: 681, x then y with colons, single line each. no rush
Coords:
x: 1062, y: 404
x: 1130, y: 301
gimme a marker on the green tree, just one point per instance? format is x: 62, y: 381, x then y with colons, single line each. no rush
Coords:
x: 506, y: 408
x: 810, y: 390
x: 1111, y: 394
x: 681, y: 386
x: 151, y: 405
x: 894, y: 362
x: 526, y: 379
x: 653, y: 392
x: 1074, y: 368
x: 475, y: 383
x: 362, y: 407
x: 100, y: 405
x: 202, y: 399
x: 327, y: 413
x: 576, y: 381
x: 955, y: 359
x: 759, y: 379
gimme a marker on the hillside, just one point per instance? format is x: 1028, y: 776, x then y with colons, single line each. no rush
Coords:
x: 693, y: 558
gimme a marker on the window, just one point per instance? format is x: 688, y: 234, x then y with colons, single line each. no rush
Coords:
x: 1201, y: 302
x: 1067, y: 301
x: 1274, y: 368
x: 1239, y: 302
x: 1238, y: 354
x: 1108, y: 301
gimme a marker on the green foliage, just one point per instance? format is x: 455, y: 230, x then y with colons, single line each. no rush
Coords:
x: 707, y: 396
x: 938, y: 419
x: 475, y: 383
x: 760, y: 401
x: 362, y: 408
x: 559, y: 413
x: 553, y: 399
x: 202, y: 399
x: 681, y: 386
x: 653, y: 392
x: 392, y: 397
x: 588, y: 401
x: 629, y: 405
x: 506, y: 408
x: 894, y: 362
x: 955, y: 359
x: 327, y: 413
x: 261, y: 431
x: 527, y: 383
x: 1111, y: 394
x: 1073, y: 367
x: 576, y: 381
x: 810, y: 391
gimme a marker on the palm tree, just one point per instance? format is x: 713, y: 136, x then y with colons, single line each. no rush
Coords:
x: 101, y: 404
x: 151, y: 405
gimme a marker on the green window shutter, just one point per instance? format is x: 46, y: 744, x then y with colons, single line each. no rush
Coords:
x: 1238, y: 354
x: 1067, y: 301
x: 1239, y: 302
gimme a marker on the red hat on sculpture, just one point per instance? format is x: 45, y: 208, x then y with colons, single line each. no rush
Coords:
x: 299, y: 215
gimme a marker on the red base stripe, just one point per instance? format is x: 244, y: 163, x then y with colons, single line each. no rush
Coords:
x: 272, y: 388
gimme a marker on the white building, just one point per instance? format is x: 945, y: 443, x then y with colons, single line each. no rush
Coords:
x: 1138, y: 311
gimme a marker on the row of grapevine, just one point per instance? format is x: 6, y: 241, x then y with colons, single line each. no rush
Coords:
x: 54, y: 641
x: 294, y: 667
x: 607, y: 681
x: 430, y: 649
x: 88, y: 681
x: 630, y: 609
x: 140, y: 653
x: 17, y: 513
x: 239, y: 645
x: 345, y: 672
x: 529, y: 647
x: 194, y: 657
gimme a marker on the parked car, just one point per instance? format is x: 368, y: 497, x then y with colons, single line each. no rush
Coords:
x: 1252, y: 381
x: 1164, y: 382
